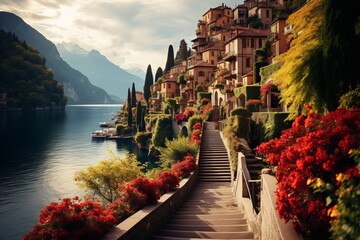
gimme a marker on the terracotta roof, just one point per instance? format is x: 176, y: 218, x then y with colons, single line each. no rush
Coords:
x: 221, y: 7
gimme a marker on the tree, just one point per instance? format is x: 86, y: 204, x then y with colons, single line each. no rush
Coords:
x: 149, y: 80
x: 159, y: 73
x: 104, y: 178
x: 261, y: 60
x: 140, y: 121
x: 133, y: 96
x: 300, y: 76
x: 182, y: 54
x: 170, y: 59
x: 129, y: 109
x: 340, y: 43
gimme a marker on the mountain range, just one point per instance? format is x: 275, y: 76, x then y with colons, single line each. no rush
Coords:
x: 100, y: 71
x: 77, y: 86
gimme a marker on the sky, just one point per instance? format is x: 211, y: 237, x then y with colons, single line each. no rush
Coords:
x: 130, y: 33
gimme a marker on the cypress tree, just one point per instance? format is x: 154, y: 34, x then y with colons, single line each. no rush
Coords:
x: 138, y: 115
x: 182, y: 54
x: 129, y: 116
x: 170, y: 59
x: 159, y: 73
x: 133, y: 96
x: 149, y: 80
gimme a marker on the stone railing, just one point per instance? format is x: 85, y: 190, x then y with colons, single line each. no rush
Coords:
x: 266, y: 224
x: 151, y: 218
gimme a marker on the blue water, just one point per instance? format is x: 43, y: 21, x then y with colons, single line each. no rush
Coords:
x: 39, y: 154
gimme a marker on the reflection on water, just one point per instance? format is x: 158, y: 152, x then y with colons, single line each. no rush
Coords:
x: 40, y: 152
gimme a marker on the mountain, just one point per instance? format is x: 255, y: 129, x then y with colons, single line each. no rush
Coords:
x: 137, y: 72
x: 77, y: 87
x: 99, y: 69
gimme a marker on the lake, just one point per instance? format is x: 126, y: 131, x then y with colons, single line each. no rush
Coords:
x: 40, y: 152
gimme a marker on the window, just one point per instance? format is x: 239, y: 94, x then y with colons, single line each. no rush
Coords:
x: 260, y: 43
x: 169, y: 85
x: 212, y: 53
x: 252, y: 43
x: 164, y: 85
x: 267, y: 13
x: 201, y: 74
x: 212, y: 62
x: 248, y: 60
x: 244, y: 43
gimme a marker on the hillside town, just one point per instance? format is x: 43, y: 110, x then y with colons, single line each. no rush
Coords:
x: 225, y: 60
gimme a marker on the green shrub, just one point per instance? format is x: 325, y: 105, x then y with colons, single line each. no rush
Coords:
x: 201, y: 95
x: 181, y: 79
x: 350, y: 99
x: 220, y: 86
x: 241, y: 112
x: 175, y: 151
x: 143, y: 137
x: 120, y: 128
x: 209, y: 115
x: 199, y: 88
x: 239, y: 126
x: 266, y: 126
x: 191, y: 122
x: 162, y: 131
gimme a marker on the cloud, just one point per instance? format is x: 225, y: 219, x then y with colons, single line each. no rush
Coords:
x: 130, y: 33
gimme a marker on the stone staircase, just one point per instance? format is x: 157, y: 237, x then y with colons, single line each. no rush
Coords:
x: 210, y: 212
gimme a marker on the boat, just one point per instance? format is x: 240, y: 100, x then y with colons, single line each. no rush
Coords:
x: 100, y: 134
x: 107, y: 124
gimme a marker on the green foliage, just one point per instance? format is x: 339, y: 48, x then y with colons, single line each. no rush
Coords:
x: 340, y: 44
x: 257, y: 67
x: 129, y: 110
x: 133, y: 96
x: 162, y: 131
x: 209, y: 115
x: 181, y: 79
x: 220, y: 86
x: 241, y: 112
x: 265, y: 126
x: 239, y: 126
x: 182, y: 54
x: 201, y: 95
x: 120, y: 128
x: 170, y: 59
x: 351, y: 99
x: 267, y: 71
x: 171, y: 104
x: 345, y: 224
x: 104, y: 178
x: 159, y: 73
x: 175, y: 151
x: 191, y: 122
x: 149, y: 80
x: 250, y: 91
x: 140, y: 122
x: 255, y: 22
x: 24, y: 77
x: 199, y: 88
x: 143, y: 137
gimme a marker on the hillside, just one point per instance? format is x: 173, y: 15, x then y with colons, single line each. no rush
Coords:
x: 77, y: 87
x: 25, y: 80
x: 100, y: 71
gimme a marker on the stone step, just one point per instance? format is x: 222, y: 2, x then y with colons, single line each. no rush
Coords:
x: 199, y: 234
x: 209, y: 228
x: 197, y: 222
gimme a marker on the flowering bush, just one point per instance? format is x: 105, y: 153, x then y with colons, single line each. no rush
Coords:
x: 196, y: 134
x: 205, y: 111
x: 133, y: 197
x: 170, y: 179
x: 184, y: 168
x: 189, y: 112
x: 266, y: 88
x: 179, y: 118
x: 146, y: 187
x: 120, y: 209
x: 312, y: 152
x: 72, y: 219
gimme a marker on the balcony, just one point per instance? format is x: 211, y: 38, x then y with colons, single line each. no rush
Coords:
x: 223, y: 72
x: 272, y: 36
x: 288, y: 29
x: 229, y: 56
x: 198, y: 44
